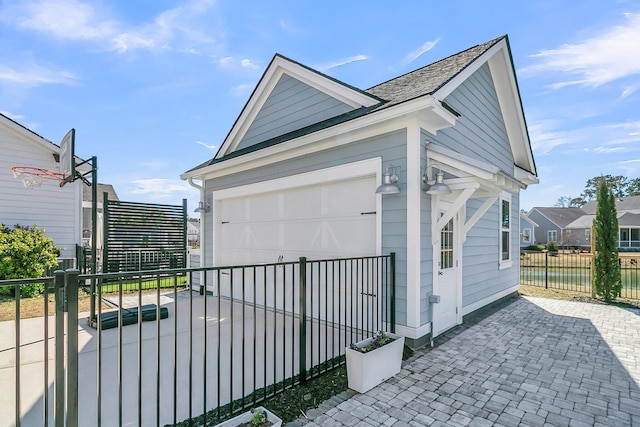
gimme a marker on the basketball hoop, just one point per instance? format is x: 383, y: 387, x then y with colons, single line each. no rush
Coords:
x: 32, y: 178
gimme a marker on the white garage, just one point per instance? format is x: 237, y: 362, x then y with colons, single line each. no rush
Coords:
x: 302, y: 215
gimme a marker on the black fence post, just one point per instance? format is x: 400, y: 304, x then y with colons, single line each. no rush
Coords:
x: 546, y: 270
x: 71, y: 292
x: 58, y: 411
x: 303, y: 321
x: 392, y: 283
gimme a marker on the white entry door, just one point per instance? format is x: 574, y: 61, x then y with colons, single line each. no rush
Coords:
x: 447, y: 278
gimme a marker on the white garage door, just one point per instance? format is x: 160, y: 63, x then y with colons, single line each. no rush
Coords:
x: 332, y: 220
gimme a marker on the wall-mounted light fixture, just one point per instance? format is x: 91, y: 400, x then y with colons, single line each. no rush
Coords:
x: 202, y: 207
x: 439, y: 187
x: 389, y: 180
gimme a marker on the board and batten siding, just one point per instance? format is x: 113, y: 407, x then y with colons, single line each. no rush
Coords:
x: 55, y: 209
x: 479, y: 132
x: 292, y: 105
x: 391, y: 147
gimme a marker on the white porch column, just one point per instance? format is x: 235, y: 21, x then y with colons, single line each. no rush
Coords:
x: 414, y: 179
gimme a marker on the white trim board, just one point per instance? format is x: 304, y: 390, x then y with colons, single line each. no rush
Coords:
x: 488, y: 300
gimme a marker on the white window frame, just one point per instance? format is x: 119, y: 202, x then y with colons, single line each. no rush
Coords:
x: 550, y: 233
x: 526, y: 235
x: 504, y: 263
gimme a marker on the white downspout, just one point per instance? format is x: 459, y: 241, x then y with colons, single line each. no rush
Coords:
x: 202, y: 216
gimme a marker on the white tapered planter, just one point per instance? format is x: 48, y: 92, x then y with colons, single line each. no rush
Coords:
x: 367, y: 370
x: 246, y: 417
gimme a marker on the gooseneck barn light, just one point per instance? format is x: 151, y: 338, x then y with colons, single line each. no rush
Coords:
x: 389, y: 180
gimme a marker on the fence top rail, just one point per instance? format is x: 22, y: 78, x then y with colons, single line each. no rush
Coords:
x: 167, y: 272
x: 13, y: 282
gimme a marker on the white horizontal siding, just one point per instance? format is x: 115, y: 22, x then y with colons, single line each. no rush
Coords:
x: 55, y: 209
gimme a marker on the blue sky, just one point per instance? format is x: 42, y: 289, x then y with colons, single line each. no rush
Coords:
x: 152, y: 86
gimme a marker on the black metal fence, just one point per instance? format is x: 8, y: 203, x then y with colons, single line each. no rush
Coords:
x: 169, y: 355
x: 572, y: 271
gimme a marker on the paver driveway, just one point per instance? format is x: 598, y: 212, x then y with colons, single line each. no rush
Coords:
x: 532, y: 362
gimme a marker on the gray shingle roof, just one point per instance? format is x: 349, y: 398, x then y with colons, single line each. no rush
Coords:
x: 631, y: 203
x: 561, y: 216
x: 428, y: 79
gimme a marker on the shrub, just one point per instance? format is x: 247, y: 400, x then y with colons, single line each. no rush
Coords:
x: 537, y: 248
x: 25, y: 252
x: 552, y: 247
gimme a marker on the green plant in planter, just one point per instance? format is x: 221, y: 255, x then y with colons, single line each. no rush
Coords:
x: 379, y: 339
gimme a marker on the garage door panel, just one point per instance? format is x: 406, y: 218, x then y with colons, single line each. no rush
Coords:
x: 321, y: 221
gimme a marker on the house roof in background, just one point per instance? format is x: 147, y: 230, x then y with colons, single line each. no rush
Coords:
x: 625, y: 204
x: 102, y: 188
x: 560, y: 216
x: 629, y: 220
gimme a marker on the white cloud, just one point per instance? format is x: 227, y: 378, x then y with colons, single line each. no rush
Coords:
x: 547, y: 135
x: 12, y: 116
x: 601, y: 59
x: 417, y: 53
x: 182, y: 29
x: 64, y: 19
x: 159, y: 186
x: 286, y: 26
x: 344, y: 61
x: 247, y: 63
x: 32, y: 75
x: 207, y: 146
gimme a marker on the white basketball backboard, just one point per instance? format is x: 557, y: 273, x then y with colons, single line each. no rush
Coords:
x: 67, y: 157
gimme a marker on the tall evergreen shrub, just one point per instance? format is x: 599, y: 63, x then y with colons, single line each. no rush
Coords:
x: 607, y: 278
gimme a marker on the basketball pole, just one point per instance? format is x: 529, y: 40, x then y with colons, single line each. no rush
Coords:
x: 94, y: 230
x: 94, y: 243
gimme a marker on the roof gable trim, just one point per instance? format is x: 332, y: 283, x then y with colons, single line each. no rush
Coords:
x: 279, y: 66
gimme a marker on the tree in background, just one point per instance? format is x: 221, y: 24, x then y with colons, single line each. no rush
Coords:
x: 607, y: 278
x: 25, y: 253
x: 568, y: 202
x: 617, y: 186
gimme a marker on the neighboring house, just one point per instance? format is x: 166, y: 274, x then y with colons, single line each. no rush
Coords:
x: 193, y: 233
x: 55, y: 209
x: 628, y: 212
x: 552, y: 225
x: 87, y: 204
x: 527, y: 231
x: 298, y: 172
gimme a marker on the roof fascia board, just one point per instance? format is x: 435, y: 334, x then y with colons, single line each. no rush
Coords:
x: 279, y: 66
x: 376, y: 123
